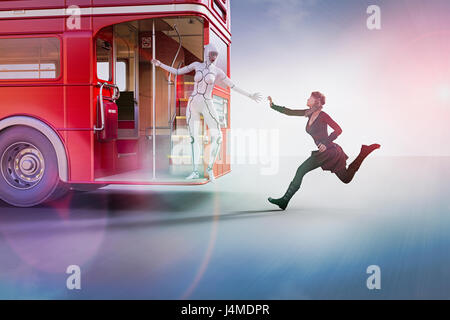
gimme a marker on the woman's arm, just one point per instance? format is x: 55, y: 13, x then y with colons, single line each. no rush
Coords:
x: 286, y: 111
x: 183, y: 70
x: 337, y: 129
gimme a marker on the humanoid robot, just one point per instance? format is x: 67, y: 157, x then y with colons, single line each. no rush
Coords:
x: 201, y: 103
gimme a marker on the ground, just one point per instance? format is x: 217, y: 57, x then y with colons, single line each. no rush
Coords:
x: 225, y: 241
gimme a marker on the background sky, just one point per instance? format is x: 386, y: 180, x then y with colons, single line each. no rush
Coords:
x: 390, y: 86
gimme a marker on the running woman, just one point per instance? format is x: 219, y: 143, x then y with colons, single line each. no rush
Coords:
x: 330, y: 156
x: 201, y: 103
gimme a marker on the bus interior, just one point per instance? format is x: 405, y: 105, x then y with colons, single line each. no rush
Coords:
x: 152, y: 144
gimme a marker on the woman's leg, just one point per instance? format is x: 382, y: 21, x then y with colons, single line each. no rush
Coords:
x: 307, y: 166
x: 346, y: 174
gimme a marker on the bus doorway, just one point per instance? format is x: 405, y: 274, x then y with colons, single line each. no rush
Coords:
x: 153, y: 142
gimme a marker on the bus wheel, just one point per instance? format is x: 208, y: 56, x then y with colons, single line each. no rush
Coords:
x: 28, y: 167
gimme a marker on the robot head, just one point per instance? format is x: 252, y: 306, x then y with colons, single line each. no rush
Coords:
x: 211, y: 53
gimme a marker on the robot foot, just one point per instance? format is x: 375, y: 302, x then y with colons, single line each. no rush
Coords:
x: 210, y: 172
x: 193, y: 175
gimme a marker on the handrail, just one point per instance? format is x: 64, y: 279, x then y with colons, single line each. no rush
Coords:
x: 116, y: 95
x: 169, y: 80
x: 174, y: 97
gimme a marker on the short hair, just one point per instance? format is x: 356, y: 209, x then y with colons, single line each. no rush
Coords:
x: 319, y: 97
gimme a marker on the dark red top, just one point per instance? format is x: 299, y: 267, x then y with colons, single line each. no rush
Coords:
x: 319, y: 129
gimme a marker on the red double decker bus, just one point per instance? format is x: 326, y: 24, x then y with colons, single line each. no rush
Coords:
x: 81, y: 104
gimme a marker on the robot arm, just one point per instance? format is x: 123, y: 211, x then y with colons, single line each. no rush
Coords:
x: 255, y: 96
x: 177, y: 72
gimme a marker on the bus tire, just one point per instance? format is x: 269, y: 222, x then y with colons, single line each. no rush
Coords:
x: 61, y: 190
x: 28, y: 167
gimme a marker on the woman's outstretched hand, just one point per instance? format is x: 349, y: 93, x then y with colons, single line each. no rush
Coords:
x: 156, y: 62
x: 322, y: 147
x: 270, y: 100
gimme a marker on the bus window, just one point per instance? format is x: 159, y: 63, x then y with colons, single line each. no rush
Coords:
x: 121, y: 75
x: 126, y: 44
x: 220, y: 8
x: 30, y: 58
x: 104, y: 58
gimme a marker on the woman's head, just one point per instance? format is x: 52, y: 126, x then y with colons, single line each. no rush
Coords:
x: 316, y: 99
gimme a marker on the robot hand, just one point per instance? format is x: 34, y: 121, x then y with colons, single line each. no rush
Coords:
x: 156, y: 62
x: 256, y: 97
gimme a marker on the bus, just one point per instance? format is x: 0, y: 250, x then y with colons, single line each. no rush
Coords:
x: 82, y: 106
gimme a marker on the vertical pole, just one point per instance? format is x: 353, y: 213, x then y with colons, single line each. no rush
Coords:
x: 114, y: 62
x: 154, y: 100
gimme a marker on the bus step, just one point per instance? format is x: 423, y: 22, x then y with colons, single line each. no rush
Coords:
x: 124, y: 155
x: 184, y: 117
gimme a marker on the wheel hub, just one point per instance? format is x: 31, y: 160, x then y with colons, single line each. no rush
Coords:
x: 22, y: 165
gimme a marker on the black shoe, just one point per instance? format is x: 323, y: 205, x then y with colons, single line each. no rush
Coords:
x: 284, y: 200
x: 282, y: 203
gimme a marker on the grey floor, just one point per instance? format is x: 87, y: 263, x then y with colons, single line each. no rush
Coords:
x: 225, y: 241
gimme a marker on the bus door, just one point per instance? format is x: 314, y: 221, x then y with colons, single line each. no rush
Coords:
x: 153, y: 142
x: 178, y: 42
x: 126, y: 77
x: 106, y: 94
